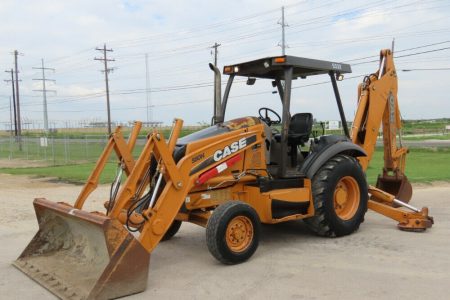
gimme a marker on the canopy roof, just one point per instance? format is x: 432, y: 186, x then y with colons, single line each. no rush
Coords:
x: 273, y: 67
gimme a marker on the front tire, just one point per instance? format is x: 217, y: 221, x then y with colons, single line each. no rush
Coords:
x: 340, y: 197
x: 232, y: 232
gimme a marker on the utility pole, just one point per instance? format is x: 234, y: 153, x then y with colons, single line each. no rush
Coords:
x: 283, y: 39
x: 147, y: 91
x: 216, y: 45
x: 13, y: 99
x: 393, y: 45
x: 106, y: 71
x: 19, y: 125
x: 44, y: 92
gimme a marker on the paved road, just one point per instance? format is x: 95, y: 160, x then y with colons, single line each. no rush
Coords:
x: 428, y: 143
x: 423, y: 144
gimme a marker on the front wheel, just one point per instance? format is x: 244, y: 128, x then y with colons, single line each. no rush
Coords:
x: 340, y: 197
x: 232, y: 232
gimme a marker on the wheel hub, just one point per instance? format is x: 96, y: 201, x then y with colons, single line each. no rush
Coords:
x: 346, y: 197
x: 239, y: 233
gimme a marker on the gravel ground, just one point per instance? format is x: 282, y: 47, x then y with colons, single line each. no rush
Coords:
x: 376, y: 262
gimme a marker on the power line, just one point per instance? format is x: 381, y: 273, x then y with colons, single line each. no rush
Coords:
x: 403, y: 50
x: 406, y: 55
x: 208, y: 99
x: 426, y: 69
x: 198, y: 85
x: 201, y: 85
x: 329, y: 18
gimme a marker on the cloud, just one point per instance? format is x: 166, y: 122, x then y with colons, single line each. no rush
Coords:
x: 178, y: 35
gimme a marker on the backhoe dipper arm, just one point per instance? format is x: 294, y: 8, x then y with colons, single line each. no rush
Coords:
x: 378, y: 104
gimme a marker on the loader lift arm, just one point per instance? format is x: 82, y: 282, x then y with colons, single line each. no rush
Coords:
x: 378, y: 104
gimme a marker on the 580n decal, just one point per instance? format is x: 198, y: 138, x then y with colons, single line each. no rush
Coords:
x: 225, y: 152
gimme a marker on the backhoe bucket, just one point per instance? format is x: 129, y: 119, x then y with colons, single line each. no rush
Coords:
x: 399, y: 186
x: 81, y: 255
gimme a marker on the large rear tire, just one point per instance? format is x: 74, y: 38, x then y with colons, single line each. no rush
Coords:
x: 340, y: 197
x: 232, y: 232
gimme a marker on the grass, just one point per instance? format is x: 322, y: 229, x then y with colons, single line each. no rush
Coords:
x: 71, y: 173
x: 423, y: 165
x: 414, y: 126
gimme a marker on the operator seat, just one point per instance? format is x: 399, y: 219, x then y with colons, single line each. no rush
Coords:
x: 300, y: 127
x: 299, y: 131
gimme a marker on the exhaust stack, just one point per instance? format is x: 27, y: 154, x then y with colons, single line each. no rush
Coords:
x: 217, y: 94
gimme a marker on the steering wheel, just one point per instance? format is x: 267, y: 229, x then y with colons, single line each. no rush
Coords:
x: 266, y: 117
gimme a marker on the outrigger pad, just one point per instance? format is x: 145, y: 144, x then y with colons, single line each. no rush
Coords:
x: 81, y: 255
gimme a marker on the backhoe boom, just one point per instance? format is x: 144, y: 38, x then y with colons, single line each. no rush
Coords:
x: 378, y: 105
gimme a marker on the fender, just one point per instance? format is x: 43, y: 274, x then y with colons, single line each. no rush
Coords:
x: 317, y: 159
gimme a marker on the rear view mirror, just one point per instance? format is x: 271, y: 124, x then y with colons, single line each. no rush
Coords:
x: 251, y: 81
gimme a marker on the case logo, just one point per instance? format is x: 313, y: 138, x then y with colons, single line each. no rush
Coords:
x: 228, y: 150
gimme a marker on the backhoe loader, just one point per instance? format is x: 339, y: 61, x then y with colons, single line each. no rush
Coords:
x: 228, y: 178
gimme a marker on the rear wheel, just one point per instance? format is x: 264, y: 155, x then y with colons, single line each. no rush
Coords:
x: 232, y: 232
x: 340, y: 197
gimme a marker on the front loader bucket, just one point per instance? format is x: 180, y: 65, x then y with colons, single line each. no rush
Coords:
x: 81, y: 255
x: 399, y: 186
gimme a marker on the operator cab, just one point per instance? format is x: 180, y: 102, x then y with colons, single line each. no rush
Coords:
x: 288, y: 134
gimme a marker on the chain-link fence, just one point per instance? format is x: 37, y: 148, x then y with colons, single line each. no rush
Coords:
x: 53, y: 150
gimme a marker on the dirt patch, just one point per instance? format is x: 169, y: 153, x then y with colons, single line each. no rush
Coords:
x: 21, y: 163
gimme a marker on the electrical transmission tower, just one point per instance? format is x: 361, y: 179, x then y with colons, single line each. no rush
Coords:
x: 215, y: 46
x: 106, y: 71
x: 283, y: 37
x: 44, y: 91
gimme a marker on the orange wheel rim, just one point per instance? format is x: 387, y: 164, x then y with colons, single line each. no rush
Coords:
x: 346, y: 197
x: 239, y: 234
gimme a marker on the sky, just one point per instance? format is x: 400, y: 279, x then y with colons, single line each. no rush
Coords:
x: 177, y: 37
